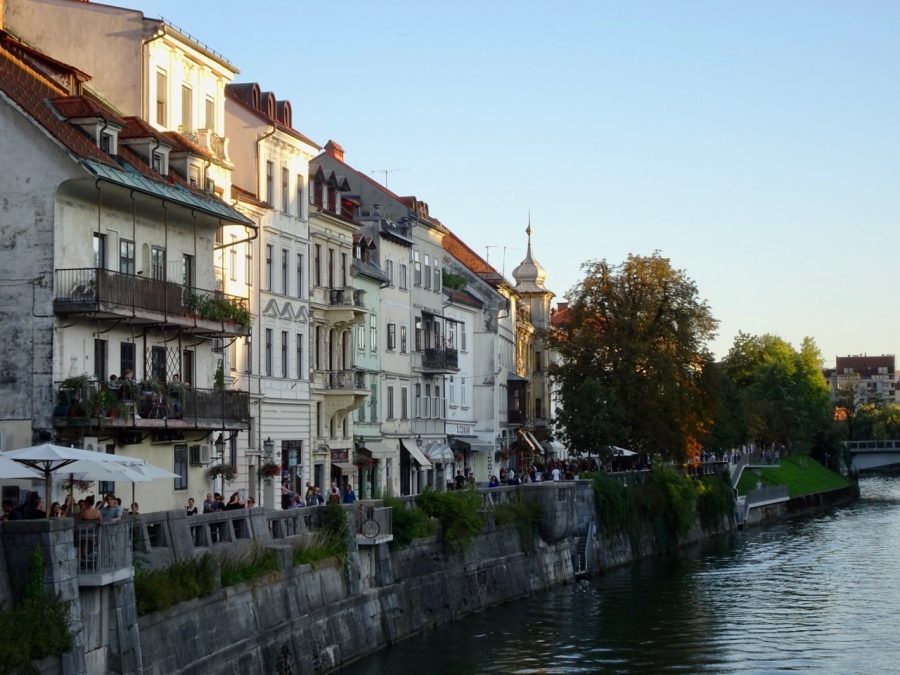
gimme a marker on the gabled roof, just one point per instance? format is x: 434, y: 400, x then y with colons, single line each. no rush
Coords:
x: 471, y: 260
x: 41, y: 99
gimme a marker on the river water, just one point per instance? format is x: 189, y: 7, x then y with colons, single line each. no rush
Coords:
x: 817, y: 595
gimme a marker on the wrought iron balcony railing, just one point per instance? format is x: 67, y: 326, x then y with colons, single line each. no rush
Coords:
x: 440, y: 358
x: 343, y: 380
x: 346, y: 297
x: 91, y: 290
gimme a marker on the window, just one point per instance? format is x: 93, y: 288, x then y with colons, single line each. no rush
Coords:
x: 248, y: 264
x: 538, y: 408
x: 299, y: 195
x: 436, y: 407
x: 390, y: 403
x: 232, y: 254
x: 300, y: 275
x: 344, y: 270
x: 391, y: 336
x: 268, y: 351
x: 462, y: 336
x: 317, y: 265
x: 232, y: 450
x: 99, y: 251
x: 187, y: 111
x: 194, y: 176
x: 270, y: 183
x: 162, y: 97
x: 126, y: 256
x: 403, y: 345
x: 537, y: 362
x: 437, y: 277
x: 331, y: 268
x: 158, y: 263
x: 373, y: 402
x: 360, y: 337
x: 418, y: 333
x: 209, y: 118
x: 451, y: 334
x: 300, y: 357
x: 284, y: 353
x: 158, y: 163
x: 462, y: 390
x: 426, y: 402
x: 390, y: 272
x: 427, y: 271
x: 248, y: 355
x: 126, y: 357
x: 181, y: 466
x: 285, y: 186
x: 100, y: 360
x: 284, y: 271
x: 187, y: 368
x: 158, y: 363
x: 418, y: 390
x: 317, y: 350
x: 187, y: 271
x: 404, y: 403
x: 417, y: 269
x: 373, y: 333
x: 404, y: 272
x: 452, y: 386
x: 269, y: 279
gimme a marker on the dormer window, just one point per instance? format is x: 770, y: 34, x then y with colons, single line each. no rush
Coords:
x: 108, y: 143
x: 158, y: 163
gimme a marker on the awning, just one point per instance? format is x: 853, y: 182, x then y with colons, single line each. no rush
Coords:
x: 532, y: 441
x: 440, y: 453
x: 481, y: 447
x: 347, y: 469
x: 555, y: 447
x: 378, y: 449
x: 410, y: 446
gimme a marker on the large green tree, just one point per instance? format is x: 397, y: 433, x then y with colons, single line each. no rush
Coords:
x: 783, y: 396
x: 633, y: 359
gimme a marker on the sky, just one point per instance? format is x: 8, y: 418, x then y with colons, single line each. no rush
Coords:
x: 755, y: 145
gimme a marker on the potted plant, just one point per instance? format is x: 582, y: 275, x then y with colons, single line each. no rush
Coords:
x: 270, y: 470
x: 227, y: 471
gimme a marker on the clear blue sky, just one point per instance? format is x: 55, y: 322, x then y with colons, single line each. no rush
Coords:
x: 754, y: 144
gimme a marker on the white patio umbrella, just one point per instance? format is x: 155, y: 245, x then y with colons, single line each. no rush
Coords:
x: 11, y: 469
x: 48, y: 458
x: 130, y: 473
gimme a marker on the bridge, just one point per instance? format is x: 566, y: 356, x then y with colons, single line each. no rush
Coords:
x: 872, y: 454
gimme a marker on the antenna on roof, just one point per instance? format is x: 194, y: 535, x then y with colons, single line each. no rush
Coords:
x: 386, y: 172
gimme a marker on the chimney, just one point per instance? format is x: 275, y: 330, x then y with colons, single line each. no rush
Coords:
x: 334, y: 150
x: 562, y: 306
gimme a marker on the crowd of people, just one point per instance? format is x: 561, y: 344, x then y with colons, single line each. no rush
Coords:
x: 108, y: 510
x: 313, y: 495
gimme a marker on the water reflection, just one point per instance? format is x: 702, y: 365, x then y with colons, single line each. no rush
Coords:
x: 813, y: 594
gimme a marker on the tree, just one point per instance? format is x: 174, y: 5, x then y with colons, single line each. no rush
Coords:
x: 784, y: 398
x: 633, y: 357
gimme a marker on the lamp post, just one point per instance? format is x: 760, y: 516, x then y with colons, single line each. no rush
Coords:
x: 220, y: 453
x: 268, y: 454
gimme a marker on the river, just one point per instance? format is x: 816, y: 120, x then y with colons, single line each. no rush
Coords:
x: 817, y: 594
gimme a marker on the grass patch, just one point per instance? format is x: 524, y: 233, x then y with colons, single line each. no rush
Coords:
x: 318, y: 546
x: 159, y: 589
x: 247, y: 563
x: 801, y: 473
x: 36, y: 627
x: 408, y: 523
x: 458, y: 513
x: 525, y: 514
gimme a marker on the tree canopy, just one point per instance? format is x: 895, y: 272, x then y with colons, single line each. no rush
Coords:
x: 633, y: 358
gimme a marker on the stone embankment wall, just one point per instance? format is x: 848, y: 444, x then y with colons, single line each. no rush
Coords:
x: 801, y: 506
x: 310, y: 620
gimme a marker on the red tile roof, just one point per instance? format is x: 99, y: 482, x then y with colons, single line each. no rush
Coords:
x: 31, y: 91
x: 73, y: 107
x: 463, y: 298
x: 182, y: 144
x: 474, y: 262
x: 135, y: 127
x: 242, y: 195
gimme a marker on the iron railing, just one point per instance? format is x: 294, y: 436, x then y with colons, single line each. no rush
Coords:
x: 343, y: 380
x: 346, y: 297
x: 102, y: 549
x: 92, y: 290
x: 440, y: 358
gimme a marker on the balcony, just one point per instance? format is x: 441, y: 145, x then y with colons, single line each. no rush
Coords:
x: 441, y: 359
x: 346, y: 297
x: 345, y: 381
x: 101, y: 293
x: 515, y: 417
x: 148, y: 405
x: 103, y: 553
x: 344, y: 306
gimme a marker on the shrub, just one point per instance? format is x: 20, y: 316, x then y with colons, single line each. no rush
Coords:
x: 610, y: 502
x: 246, y: 563
x: 715, y: 500
x: 37, y: 627
x: 334, y: 521
x: 408, y: 523
x: 680, y: 497
x: 458, y: 513
x: 525, y: 514
x: 158, y: 589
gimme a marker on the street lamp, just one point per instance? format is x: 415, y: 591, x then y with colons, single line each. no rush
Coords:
x: 419, y: 441
x: 220, y: 453
x: 268, y: 449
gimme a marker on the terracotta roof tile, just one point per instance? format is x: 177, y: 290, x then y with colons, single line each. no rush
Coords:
x: 183, y: 144
x: 135, y: 127
x: 247, y: 197
x: 81, y: 106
